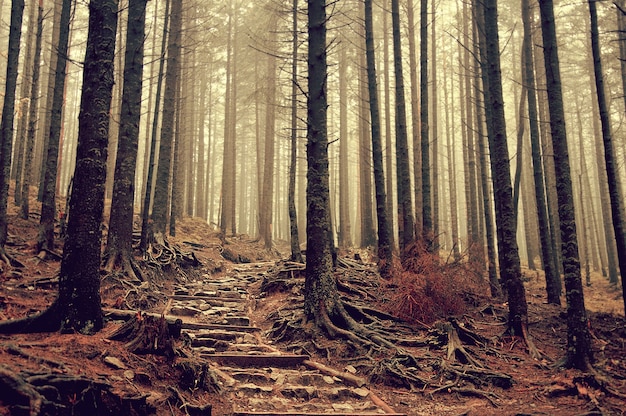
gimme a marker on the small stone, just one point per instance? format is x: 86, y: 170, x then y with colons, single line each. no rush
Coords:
x: 350, y: 369
x: 204, y: 307
x: 115, y: 363
x: 129, y: 374
x: 329, y: 380
x: 342, y: 407
x: 363, y: 393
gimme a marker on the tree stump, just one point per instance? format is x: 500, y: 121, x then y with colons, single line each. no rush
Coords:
x: 147, y: 334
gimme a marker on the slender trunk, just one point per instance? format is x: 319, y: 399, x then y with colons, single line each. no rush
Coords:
x: 405, y: 209
x: 162, y: 188
x: 145, y: 214
x: 615, y: 191
x: 45, y: 239
x: 32, y: 117
x: 385, y: 246
x: 508, y: 254
x: 551, y: 274
x: 296, y: 255
x: 579, y: 352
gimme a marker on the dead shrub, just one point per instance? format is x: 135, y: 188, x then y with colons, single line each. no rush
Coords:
x: 427, y: 289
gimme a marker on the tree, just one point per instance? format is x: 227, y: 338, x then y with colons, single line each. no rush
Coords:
x: 385, y: 246
x: 119, y: 239
x: 344, y: 237
x: 427, y: 222
x: 161, y: 192
x: 6, y: 125
x: 615, y: 191
x: 296, y: 254
x: 579, y: 353
x: 45, y: 239
x: 267, y: 194
x: 322, y: 304
x: 320, y: 289
x: 508, y: 254
x: 552, y: 279
x: 77, y: 307
x: 405, y: 209
x: 32, y: 117
x: 146, y: 227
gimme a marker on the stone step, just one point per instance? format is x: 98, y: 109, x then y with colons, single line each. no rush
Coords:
x: 221, y: 327
x: 258, y: 360
x: 290, y: 413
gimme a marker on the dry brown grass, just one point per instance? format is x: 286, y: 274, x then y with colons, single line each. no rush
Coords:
x: 429, y: 288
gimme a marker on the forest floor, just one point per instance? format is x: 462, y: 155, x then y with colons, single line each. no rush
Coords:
x: 536, y: 388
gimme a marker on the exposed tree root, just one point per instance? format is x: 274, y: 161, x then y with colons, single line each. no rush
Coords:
x: 123, y: 261
x: 48, y: 320
x: 18, y: 394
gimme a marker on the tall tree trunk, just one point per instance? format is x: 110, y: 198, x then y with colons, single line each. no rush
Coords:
x: 476, y: 246
x: 120, y: 236
x: 47, y: 112
x: 508, y: 254
x: 415, y: 118
x: 553, y: 282
x: 23, y: 111
x: 405, y: 208
x: 427, y: 221
x: 435, y: 134
x: 385, y: 246
x: 612, y: 170
x: 368, y: 234
x: 579, y: 352
x: 79, y: 283
x: 6, y: 125
x: 345, y: 238
x: 388, y: 137
x: 32, y: 117
x: 146, y: 227
x: 45, y: 239
x: 161, y: 193
x: 320, y: 290
x: 296, y: 254
x: 267, y: 194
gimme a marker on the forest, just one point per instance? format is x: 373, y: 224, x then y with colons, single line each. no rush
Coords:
x: 347, y: 207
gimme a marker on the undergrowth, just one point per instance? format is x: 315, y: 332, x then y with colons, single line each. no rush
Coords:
x: 429, y: 287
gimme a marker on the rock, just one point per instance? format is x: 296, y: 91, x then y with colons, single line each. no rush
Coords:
x: 350, y: 369
x: 300, y: 392
x: 253, y: 388
x: 129, y: 374
x: 329, y: 380
x: 114, y: 363
x: 360, y: 392
x: 343, y: 407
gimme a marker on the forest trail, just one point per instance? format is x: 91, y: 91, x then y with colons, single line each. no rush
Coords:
x: 261, y: 379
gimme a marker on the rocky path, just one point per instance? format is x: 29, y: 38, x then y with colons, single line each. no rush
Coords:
x: 261, y: 379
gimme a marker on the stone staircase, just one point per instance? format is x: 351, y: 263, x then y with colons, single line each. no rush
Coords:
x: 261, y: 379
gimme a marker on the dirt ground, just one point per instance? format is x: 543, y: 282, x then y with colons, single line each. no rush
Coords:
x: 538, y: 387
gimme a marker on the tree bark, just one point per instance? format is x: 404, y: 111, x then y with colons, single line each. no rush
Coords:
x: 553, y: 282
x: 405, y: 208
x: 508, y: 254
x: 32, y: 117
x: 45, y: 239
x: 611, y: 163
x: 162, y: 191
x: 6, y: 125
x: 320, y: 290
x: 119, y: 239
x: 579, y: 352
x: 296, y: 254
x: 385, y: 246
